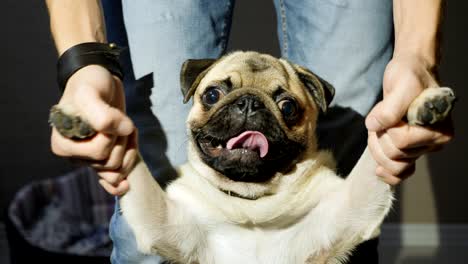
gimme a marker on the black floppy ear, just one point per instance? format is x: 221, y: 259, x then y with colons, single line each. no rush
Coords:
x: 191, y: 74
x: 322, y: 91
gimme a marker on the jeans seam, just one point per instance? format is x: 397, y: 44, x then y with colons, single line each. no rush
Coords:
x: 284, y: 28
x: 223, y: 30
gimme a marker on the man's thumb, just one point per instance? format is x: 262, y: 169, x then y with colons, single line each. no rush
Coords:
x: 388, y: 112
x: 107, y: 119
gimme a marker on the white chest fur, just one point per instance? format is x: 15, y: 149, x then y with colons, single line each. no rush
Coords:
x: 315, y: 221
x: 283, y: 228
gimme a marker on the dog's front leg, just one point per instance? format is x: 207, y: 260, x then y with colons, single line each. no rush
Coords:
x: 144, y: 207
x: 161, y: 226
x: 367, y: 199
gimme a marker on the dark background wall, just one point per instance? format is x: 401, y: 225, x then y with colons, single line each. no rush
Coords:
x: 27, y: 83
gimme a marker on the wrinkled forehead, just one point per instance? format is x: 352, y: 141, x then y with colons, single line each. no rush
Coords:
x: 249, y: 69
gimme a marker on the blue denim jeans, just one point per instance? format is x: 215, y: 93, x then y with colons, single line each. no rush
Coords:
x: 347, y: 42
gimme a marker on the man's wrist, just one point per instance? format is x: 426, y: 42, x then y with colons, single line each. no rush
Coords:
x: 428, y: 62
x: 417, y: 29
x: 425, y: 48
x: 84, y: 54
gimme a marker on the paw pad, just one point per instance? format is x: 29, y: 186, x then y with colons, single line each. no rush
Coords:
x: 432, y: 106
x: 68, y: 125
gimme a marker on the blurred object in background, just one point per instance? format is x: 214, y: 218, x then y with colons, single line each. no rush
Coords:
x: 61, y: 220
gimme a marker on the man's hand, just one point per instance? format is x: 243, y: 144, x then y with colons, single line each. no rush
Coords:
x: 394, y: 144
x: 95, y: 95
x: 98, y: 97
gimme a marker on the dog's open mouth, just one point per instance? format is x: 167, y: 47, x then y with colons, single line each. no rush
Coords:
x: 248, y: 144
x: 245, y: 148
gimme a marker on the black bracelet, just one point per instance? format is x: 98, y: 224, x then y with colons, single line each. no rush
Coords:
x: 89, y: 53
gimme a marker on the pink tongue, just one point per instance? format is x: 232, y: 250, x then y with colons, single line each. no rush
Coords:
x: 250, y: 140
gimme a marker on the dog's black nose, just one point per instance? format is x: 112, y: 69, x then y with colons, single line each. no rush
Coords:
x: 249, y: 104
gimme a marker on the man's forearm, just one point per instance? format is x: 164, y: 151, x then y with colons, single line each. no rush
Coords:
x: 75, y: 21
x: 417, y: 25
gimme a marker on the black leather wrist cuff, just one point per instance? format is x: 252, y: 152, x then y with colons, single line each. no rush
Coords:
x: 89, y: 53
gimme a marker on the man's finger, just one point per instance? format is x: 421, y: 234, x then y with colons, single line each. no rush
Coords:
x: 394, y: 153
x: 393, y: 180
x: 111, y: 177
x: 400, y: 89
x: 96, y: 148
x: 395, y: 167
x: 115, y: 159
x: 130, y: 156
x: 118, y: 190
x: 405, y: 136
x: 389, y: 111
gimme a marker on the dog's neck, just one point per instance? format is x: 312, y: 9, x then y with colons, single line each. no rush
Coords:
x: 258, y: 202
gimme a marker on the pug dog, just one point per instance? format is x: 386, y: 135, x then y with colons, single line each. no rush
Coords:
x: 256, y: 189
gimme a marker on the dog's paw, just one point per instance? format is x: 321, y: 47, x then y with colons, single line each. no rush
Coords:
x: 69, y: 125
x: 431, y: 106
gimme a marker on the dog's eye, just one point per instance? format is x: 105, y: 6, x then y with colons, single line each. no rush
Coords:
x: 212, y: 95
x: 288, y: 107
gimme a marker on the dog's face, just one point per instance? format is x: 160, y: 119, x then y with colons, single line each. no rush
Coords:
x: 253, y: 115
